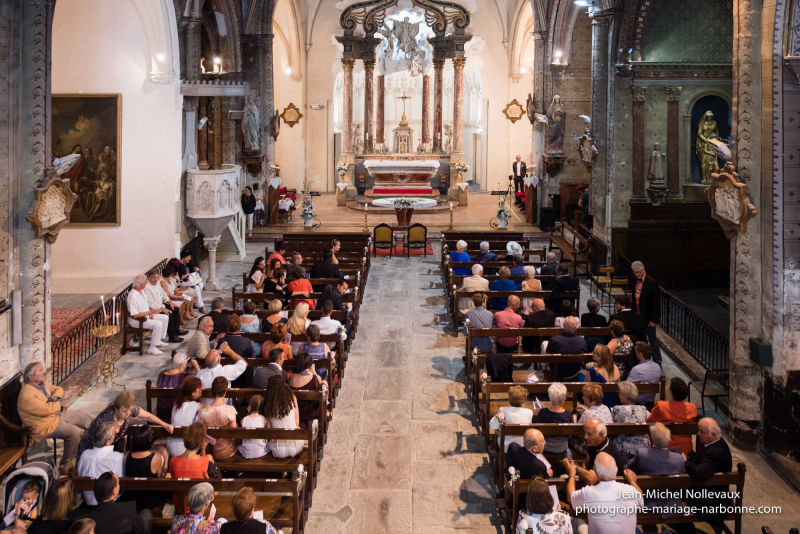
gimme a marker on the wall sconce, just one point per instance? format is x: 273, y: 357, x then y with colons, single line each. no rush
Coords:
x: 217, y: 64
x: 287, y: 71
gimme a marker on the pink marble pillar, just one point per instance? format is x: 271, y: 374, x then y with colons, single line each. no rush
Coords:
x: 379, y: 134
x: 438, y: 65
x: 369, y: 129
x: 458, y: 104
x: 347, y: 106
x: 426, y: 109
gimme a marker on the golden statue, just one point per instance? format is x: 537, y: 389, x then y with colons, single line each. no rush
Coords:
x: 706, y: 158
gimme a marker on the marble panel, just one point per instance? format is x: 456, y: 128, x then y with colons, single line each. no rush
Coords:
x: 381, y: 462
x: 382, y: 511
x: 388, y: 385
x: 386, y: 417
x: 435, y: 441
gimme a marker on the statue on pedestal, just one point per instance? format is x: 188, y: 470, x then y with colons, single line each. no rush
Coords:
x: 358, y: 139
x: 706, y: 157
x: 656, y: 188
x: 554, y: 142
x: 587, y: 150
x: 250, y: 131
x: 447, y: 144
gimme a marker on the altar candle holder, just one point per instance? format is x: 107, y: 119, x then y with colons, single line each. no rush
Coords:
x: 365, y: 228
x: 450, y: 228
x: 106, y: 368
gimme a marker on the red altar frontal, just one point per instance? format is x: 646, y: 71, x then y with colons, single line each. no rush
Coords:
x: 408, y: 176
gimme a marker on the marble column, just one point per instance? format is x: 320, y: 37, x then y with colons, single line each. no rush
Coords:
x: 426, y: 111
x: 458, y: 105
x: 438, y: 65
x: 191, y: 66
x: 637, y: 160
x: 347, y: 106
x: 202, y: 137
x: 211, y: 244
x: 369, y: 128
x: 600, y: 111
x: 379, y: 127
x: 673, y: 141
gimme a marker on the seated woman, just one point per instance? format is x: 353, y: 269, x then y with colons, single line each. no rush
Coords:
x: 502, y: 283
x: 602, y: 370
x: 460, y: 254
x: 280, y: 409
x: 593, y: 405
x: 620, y: 343
x: 274, y: 309
x: 244, y: 505
x: 58, y: 504
x: 538, y: 515
x: 254, y: 448
x: 315, y: 349
x: 177, y: 295
x: 555, y: 413
x: 221, y: 415
x: 199, y: 499
x: 121, y: 412
x: 627, y: 411
x: 250, y: 322
x: 326, y: 267
x: 515, y: 414
x: 182, y: 368
x: 257, y: 276
x: 184, y: 411
x: 194, y: 463
x: 592, y: 318
x: 566, y: 309
x: 531, y: 283
x: 676, y: 410
x: 305, y: 378
x: 277, y: 340
x: 276, y: 281
x: 297, y: 324
x: 143, y: 461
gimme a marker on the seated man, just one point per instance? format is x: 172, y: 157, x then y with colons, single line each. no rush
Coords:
x: 551, y: 263
x: 101, y: 458
x: 646, y: 370
x: 294, y: 269
x: 261, y: 375
x: 528, y: 460
x: 480, y: 317
x: 596, y: 435
x: 563, y: 283
x: 632, y: 320
x: 154, y: 320
x: 712, y: 456
x: 659, y: 460
x: 508, y: 318
x: 280, y: 250
x: 233, y: 337
x: 199, y: 343
x: 108, y: 514
x: 220, y: 319
x: 486, y: 255
x: 157, y: 298
x: 328, y: 325
x: 567, y: 343
x: 213, y: 368
x: 333, y: 293
x: 517, y: 265
x: 185, y: 272
x: 41, y: 412
x: 540, y: 317
x: 476, y: 282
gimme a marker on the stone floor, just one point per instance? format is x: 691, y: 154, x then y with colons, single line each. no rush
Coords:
x: 403, y: 454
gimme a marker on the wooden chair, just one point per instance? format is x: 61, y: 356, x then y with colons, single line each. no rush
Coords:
x: 129, y: 332
x: 714, y: 386
x: 417, y: 237
x: 383, y: 238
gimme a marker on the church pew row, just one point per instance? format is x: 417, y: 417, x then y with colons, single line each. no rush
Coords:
x: 518, y: 487
x: 457, y: 294
x: 339, y: 315
x: 495, y: 395
x: 501, y: 252
x: 475, y: 238
x: 473, y: 332
x: 281, y: 501
x: 573, y: 246
x: 353, y: 281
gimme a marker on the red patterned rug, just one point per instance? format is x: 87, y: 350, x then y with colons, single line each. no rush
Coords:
x: 399, y: 251
x: 390, y: 191
x: 62, y: 319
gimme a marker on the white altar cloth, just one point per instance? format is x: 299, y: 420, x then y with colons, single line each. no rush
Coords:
x: 415, y: 202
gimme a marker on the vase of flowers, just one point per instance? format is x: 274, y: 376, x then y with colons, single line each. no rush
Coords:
x: 503, y: 213
x: 402, y: 209
x: 341, y: 170
x: 308, y: 205
x: 462, y: 169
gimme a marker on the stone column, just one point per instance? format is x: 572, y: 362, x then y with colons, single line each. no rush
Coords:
x: 458, y: 105
x: 211, y: 244
x: 598, y: 183
x: 34, y: 152
x: 379, y: 128
x: 202, y: 137
x: 673, y: 141
x: 746, y: 322
x: 347, y: 106
x: 426, y: 110
x: 438, y: 65
x: 637, y: 158
x: 191, y: 66
x: 369, y: 129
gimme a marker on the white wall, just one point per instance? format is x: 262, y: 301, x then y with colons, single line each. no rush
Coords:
x: 288, y: 147
x: 105, y: 47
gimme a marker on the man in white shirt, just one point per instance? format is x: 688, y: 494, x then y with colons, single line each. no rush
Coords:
x: 96, y: 461
x: 610, y: 505
x: 139, y: 308
x: 157, y: 298
x: 213, y: 368
x: 328, y: 326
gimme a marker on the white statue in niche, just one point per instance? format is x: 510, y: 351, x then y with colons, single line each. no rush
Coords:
x: 727, y: 203
x: 358, y: 139
x: 206, y: 194
x: 655, y: 173
x: 448, y: 138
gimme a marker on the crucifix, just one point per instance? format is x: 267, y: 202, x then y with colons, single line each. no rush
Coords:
x: 404, y: 119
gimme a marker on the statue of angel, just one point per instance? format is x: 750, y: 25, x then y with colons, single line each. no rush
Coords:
x: 406, y: 33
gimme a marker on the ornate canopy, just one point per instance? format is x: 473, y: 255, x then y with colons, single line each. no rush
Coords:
x: 438, y: 15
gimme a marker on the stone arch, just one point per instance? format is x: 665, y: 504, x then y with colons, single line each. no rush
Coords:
x: 161, y: 34
x: 287, y: 27
x: 562, y: 24
x: 522, y: 28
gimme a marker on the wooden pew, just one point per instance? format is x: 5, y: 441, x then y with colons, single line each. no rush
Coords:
x: 573, y: 246
x: 318, y: 283
x: 339, y: 315
x: 338, y: 351
x: 458, y: 294
x: 674, y: 482
x: 282, y: 501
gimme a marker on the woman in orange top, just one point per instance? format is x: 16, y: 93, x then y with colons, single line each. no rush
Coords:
x: 193, y: 463
x: 676, y: 411
x: 277, y: 340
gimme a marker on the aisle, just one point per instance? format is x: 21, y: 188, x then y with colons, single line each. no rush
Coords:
x: 402, y: 452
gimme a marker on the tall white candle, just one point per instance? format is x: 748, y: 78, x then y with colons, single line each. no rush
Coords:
x: 366, y: 206
x: 451, y: 206
x: 113, y: 309
x: 103, y: 307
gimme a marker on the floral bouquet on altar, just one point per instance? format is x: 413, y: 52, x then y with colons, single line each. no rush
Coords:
x: 502, y: 211
x: 462, y: 168
x: 341, y: 170
x: 402, y: 203
x: 308, y: 203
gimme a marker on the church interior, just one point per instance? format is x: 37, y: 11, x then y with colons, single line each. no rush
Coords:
x: 539, y: 258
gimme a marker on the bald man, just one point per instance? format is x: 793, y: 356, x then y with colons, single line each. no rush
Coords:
x: 596, y: 435
x: 528, y: 459
x: 508, y: 318
x: 712, y: 456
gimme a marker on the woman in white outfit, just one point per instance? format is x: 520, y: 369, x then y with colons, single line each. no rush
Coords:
x: 514, y: 414
x: 184, y: 411
x: 280, y: 409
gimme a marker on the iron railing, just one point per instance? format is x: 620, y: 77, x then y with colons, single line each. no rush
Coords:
x: 78, y: 344
x: 697, y: 336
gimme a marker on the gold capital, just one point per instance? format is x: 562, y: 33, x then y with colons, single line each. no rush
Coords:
x: 673, y: 93
x: 348, y: 62
x: 458, y: 63
x: 638, y: 93
x: 438, y: 64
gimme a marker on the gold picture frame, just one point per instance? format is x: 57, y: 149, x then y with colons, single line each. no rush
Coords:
x: 92, y: 122
x: 291, y: 115
x: 514, y: 111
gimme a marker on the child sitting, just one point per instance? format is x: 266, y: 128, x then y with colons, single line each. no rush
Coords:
x: 25, y: 510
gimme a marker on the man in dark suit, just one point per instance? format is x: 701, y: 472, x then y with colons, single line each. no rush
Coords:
x: 550, y: 266
x: 633, y: 321
x: 567, y: 343
x: 528, y: 460
x: 111, y: 516
x: 540, y: 317
x: 595, y: 433
x: 261, y: 375
x: 220, y: 319
x: 518, y: 171
x: 659, y: 460
x: 712, y: 456
x: 563, y: 283
x: 334, y: 294
x: 647, y: 301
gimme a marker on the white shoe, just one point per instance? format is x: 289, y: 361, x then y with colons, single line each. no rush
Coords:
x: 154, y: 352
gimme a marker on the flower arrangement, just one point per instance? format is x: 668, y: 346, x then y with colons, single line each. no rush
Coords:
x: 462, y: 168
x: 308, y: 202
x: 341, y: 170
x: 502, y: 211
x: 402, y: 203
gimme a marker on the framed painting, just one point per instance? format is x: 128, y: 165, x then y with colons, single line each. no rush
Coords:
x: 90, y: 125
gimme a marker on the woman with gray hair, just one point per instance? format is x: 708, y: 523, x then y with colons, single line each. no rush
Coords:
x: 460, y: 254
x: 196, y: 521
x: 476, y: 282
x: 555, y: 413
x: 531, y: 283
x: 630, y: 412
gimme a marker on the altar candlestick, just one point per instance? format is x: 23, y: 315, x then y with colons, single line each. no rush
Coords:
x: 117, y: 318
x: 451, y: 206
x: 103, y: 307
x: 113, y: 308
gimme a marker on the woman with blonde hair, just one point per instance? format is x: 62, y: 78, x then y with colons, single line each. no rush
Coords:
x: 298, y: 324
x: 602, y: 370
x: 515, y: 414
x: 593, y: 405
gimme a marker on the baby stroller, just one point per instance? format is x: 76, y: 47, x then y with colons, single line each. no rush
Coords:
x: 41, y: 472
